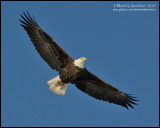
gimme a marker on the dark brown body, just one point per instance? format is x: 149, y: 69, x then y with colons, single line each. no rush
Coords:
x: 70, y: 72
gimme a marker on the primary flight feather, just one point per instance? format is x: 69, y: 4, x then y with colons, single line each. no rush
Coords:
x: 71, y: 70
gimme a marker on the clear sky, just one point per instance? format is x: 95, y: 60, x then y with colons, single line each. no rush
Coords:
x: 121, y: 48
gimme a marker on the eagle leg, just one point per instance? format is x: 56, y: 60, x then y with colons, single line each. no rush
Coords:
x: 60, y: 82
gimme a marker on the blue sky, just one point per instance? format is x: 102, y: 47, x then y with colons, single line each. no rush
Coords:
x: 121, y: 48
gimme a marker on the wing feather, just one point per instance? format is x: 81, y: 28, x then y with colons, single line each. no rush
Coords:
x: 99, y: 89
x: 46, y: 46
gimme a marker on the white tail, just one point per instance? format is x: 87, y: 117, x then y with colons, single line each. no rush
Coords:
x: 56, y: 87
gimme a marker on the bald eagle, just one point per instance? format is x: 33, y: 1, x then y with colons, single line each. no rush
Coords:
x: 71, y: 70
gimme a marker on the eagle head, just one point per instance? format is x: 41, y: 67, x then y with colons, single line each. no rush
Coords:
x: 80, y: 62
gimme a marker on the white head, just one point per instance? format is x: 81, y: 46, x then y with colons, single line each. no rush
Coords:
x: 80, y: 62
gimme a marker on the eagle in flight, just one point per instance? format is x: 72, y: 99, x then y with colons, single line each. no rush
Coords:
x: 71, y: 70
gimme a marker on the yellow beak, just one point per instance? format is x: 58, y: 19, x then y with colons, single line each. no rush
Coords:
x: 84, y: 59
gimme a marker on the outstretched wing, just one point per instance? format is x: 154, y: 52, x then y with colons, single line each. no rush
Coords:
x: 99, y: 89
x: 46, y: 46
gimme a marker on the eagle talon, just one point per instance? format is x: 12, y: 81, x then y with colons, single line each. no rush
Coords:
x: 60, y: 82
